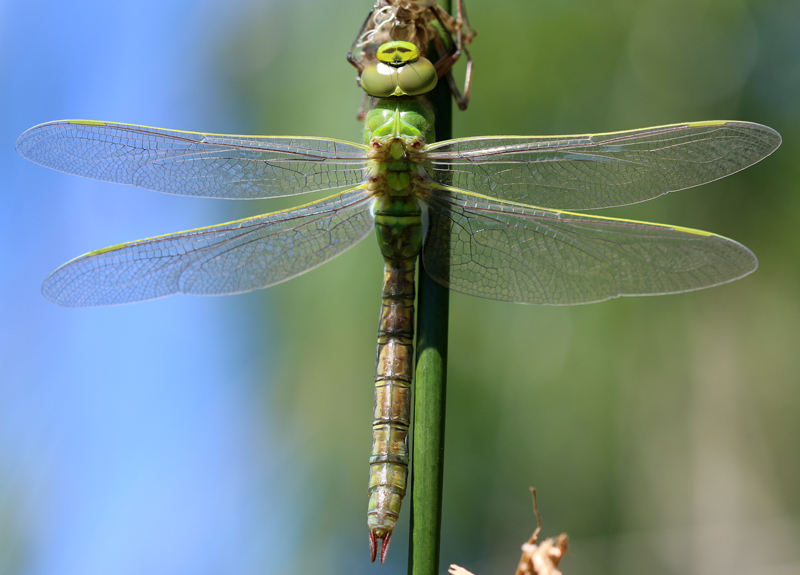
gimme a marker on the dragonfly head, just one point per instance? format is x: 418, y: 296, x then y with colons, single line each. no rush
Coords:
x: 398, y: 71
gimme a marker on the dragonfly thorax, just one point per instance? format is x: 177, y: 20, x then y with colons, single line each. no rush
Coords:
x: 396, y: 131
x: 394, y: 168
x: 404, y: 119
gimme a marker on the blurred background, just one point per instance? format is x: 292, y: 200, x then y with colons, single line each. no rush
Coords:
x: 187, y: 435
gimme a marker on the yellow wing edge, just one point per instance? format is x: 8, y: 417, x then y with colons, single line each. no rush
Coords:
x: 126, y: 244
x: 699, y: 124
x: 118, y: 124
x: 579, y: 215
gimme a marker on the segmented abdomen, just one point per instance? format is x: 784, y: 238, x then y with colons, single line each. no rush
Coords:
x: 399, y: 230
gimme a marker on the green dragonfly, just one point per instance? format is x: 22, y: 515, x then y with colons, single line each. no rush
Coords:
x: 487, y: 215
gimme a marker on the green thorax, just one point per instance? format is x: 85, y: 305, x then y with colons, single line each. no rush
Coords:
x: 396, y: 130
x: 407, y: 119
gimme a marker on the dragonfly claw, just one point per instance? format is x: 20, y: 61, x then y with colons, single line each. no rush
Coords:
x: 373, y: 546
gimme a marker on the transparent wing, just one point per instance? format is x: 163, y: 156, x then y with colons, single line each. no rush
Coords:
x: 515, y: 253
x: 600, y: 170
x: 191, y: 163
x: 229, y: 258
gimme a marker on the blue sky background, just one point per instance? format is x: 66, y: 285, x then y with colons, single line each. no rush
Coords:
x: 126, y: 434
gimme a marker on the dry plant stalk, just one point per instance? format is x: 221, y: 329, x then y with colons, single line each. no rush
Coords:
x: 536, y: 559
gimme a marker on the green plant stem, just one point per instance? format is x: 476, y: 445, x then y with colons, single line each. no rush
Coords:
x: 427, y: 468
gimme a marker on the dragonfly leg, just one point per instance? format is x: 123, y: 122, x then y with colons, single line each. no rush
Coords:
x: 448, y: 58
x: 462, y: 100
x: 464, y: 31
x: 352, y: 59
x: 366, y: 105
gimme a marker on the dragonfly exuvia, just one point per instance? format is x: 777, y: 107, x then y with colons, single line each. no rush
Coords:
x: 423, y: 23
x: 487, y: 215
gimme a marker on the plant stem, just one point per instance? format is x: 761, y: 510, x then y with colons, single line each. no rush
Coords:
x: 427, y: 469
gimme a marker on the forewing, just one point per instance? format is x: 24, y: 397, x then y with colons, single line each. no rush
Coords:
x: 599, y: 170
x: 491, y: 249
x: 194, y: 164
x: 225, y: 259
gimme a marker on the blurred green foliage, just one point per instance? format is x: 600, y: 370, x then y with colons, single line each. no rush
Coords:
x: 663, y: 434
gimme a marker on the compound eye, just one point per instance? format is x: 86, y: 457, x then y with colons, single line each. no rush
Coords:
x: 379, y: 80
x: 397, y: 53
x: 398, y: 71
x: 417, y: 78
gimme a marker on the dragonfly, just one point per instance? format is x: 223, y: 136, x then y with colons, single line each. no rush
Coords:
x: 423, y: 23
x: 490, y: 216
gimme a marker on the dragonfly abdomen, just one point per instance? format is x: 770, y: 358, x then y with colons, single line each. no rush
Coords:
x: 398, y: 226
